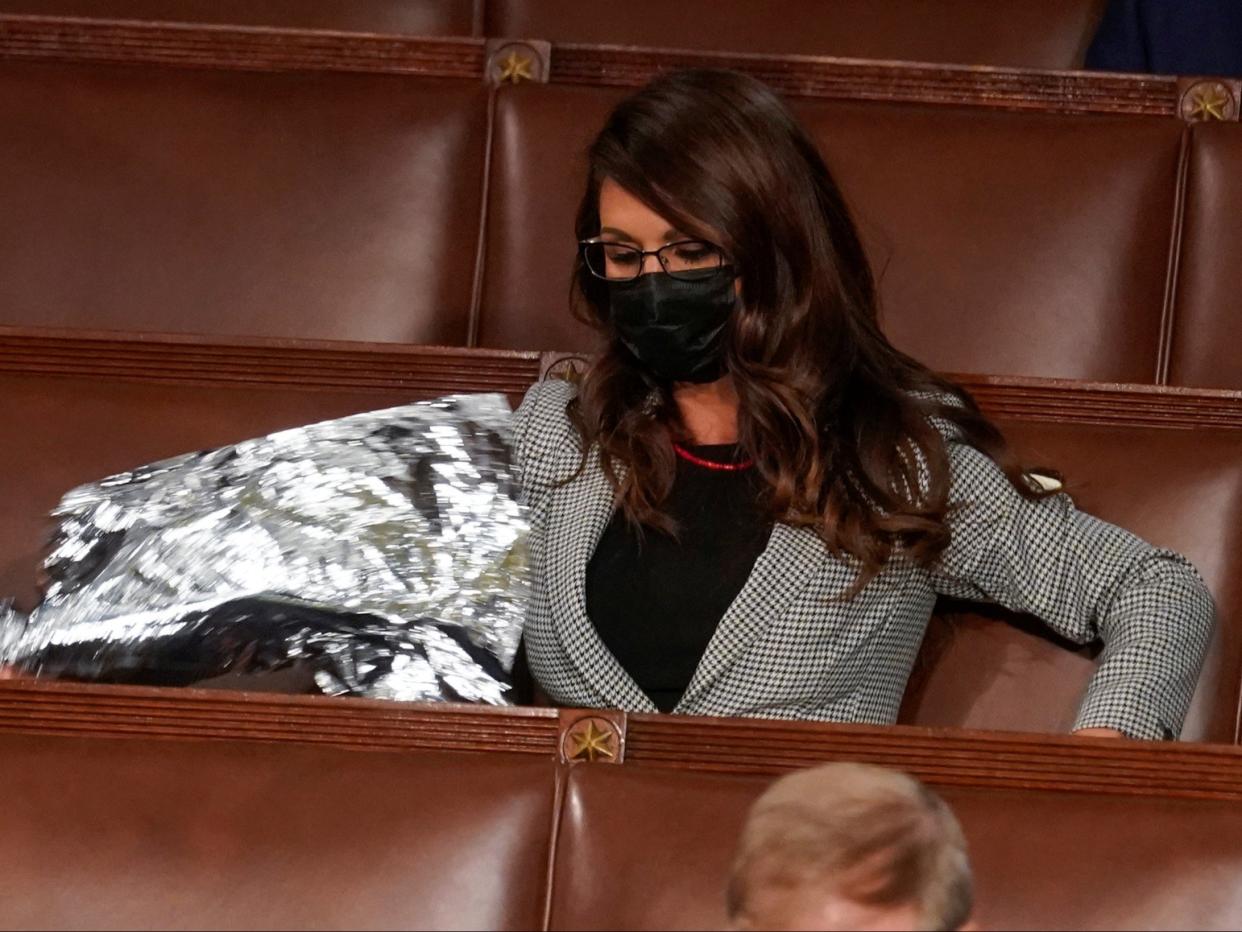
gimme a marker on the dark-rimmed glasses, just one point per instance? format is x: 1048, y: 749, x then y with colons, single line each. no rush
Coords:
x: 620, y: 262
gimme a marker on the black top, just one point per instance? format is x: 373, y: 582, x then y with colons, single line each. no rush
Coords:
x: 656, y: 602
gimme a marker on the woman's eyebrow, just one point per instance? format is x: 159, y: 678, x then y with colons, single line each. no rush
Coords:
x: 620, y: 234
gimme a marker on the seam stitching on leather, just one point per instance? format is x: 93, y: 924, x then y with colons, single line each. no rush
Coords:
x: 561, y: 779
x: 473, y: 321
x: 1168, y: 315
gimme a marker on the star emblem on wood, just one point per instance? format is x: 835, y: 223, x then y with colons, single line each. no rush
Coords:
x: 515, y: 68
x: 590, y: 743
x: 1209, y: 100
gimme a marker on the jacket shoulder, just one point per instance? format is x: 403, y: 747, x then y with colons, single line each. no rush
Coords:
x: 545, y: 441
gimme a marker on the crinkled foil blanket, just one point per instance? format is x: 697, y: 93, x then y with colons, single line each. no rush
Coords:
x: 385, y: 551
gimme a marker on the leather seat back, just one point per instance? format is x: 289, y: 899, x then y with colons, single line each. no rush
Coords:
x: 1041, y: 860
x: 1207, y: 327
x: 319, y: 205
x: 1177, y: 489
x: 128, y: 834
x: 1006, y: 243
x: 1051, y: 34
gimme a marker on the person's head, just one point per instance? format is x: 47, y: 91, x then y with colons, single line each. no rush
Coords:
x: 776, y: 295
x: 850, y: 846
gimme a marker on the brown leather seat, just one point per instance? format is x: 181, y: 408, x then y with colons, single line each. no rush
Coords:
x: 1207, y: 325
x: 1012, y: 243
x: 146, y: 831
x: 118, y: 834
x: 1050, y: 34
x: 348, y: 206
x: 1008, y: 243
x: 1177, y: 489
x: 423, y: 18
x: 538, y: 173
x: 145, y: 399
x: 1041, y: 860
x: 295, y: 205
x: 78, y: 430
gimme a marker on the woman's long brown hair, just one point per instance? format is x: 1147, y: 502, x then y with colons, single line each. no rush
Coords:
x: 839, y: 422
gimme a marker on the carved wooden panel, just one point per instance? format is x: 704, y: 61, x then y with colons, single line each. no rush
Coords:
x: 238, y: 48
x: 857, y: 79
x: 418, y: 370
x: 531, y: 60
x: 941, y: 757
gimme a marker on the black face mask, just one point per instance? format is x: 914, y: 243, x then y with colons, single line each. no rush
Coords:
x: 676, y: 327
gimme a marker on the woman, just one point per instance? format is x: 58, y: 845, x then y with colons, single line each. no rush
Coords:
x: 752, y: 500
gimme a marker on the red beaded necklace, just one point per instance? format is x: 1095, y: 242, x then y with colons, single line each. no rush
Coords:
x: 711, y: 464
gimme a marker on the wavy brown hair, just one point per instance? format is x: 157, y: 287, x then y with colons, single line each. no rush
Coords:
x: 838, y: 422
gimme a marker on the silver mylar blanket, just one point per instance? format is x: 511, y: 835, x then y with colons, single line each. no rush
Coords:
x: 386, y: 551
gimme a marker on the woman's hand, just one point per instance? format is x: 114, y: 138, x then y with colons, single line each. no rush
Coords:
x: 1099, y: 733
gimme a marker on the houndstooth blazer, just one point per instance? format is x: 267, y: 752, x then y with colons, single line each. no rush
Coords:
x: 788, y: 647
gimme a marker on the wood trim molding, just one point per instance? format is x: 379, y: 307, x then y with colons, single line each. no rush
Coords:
x: 1105, y: 403
x: 89, y: 710
x: 383, y: 367
x: 431, y: 370
x: 306, y: 364
x: 893, y: 82
x: 1113, y: 404
x: 942, y: 757
x: 235, y: 48
x: 270, y: 49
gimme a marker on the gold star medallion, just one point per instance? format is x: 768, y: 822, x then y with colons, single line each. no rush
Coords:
x: 515, y: 68
x: 591, y: 743
x: 1208, y: 101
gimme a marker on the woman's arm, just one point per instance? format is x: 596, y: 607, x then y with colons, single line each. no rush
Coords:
x: 1087, y: 580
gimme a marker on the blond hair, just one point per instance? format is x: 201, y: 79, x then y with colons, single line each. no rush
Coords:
x: 869, y: 834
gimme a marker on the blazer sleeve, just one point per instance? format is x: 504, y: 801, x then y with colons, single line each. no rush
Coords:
x: 545, y: 443
x: 1087, y: 580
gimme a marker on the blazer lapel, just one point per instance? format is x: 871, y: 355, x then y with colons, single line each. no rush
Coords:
x: 792, y: 557
x: 576, y: 524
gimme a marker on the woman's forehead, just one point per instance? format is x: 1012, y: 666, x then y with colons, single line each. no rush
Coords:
x: 625, y: 217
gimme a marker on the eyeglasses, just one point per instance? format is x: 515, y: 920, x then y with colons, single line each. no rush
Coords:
x: 619, y: 262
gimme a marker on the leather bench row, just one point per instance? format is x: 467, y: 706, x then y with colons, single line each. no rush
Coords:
x: 388, y: 207
x: 76, y: 415
x: 1051, y: 34
x: 144, y: 832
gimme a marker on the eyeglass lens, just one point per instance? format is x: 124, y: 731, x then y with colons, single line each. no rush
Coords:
x: 621, y: 262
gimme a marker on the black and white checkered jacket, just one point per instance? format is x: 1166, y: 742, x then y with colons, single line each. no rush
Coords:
x: 788, y: 648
